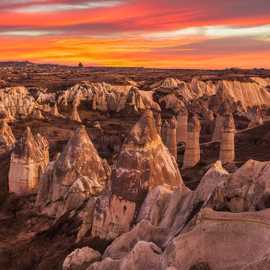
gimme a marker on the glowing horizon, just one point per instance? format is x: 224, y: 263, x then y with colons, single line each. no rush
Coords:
x: 139, y: 33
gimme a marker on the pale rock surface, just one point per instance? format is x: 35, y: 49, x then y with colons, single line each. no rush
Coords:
x: 37, y: 114
x: 225, y: 233
x: 75, y: 115
x: 247, y: 189
x: 248, y: 94
x: 28, y: 161
x: 81, y: 259
x: 256, y: 118
x: 143, y: 163
x: 17, y: 101
x: 76, y: 175
x: 143, y: 231
x: 106, y: 97
x: 171, y: 137
x: 55, y: 112
x: 219, y: 127
x: 192, y: 151
x: 182, y: 126
x: 154, y: 205
x: 164, y: 131
x: 227, y: 144
x: 7, y: 139
x: 134, y: 260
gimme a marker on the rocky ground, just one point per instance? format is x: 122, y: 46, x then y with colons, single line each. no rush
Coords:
x: 97, y: 180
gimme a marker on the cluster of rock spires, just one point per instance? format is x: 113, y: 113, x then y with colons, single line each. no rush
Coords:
x: 158, y: 224
x: 140, y: 204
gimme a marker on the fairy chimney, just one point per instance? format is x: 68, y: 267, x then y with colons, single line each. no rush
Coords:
x: 164, y: 131
x: 54, y: 111
x: 227, y: 145
x: 192, y: 151
x: 182, y: 123
x: 28, y: 161
x: 171, y: 137
x: 75, y: 115
x: 37, y: 114
x: 219, y: 121
x: 159, y: 123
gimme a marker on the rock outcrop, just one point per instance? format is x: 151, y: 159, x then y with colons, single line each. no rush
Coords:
x: 81, y: 259
x: 110, y: 98
x: 164, y: 131
x: 78, y: 174
x: 28, y: 161
x: 218, y: 130
x: 225, y: 233
x: 227, y: 145
x: 245, y: 190
x: 7, y: 139
x: 75, y: 115
x: 37, y: 114
x: 17, y: 101
x: 192, y: 151
x: 171, y: 137
x: 182, y: 126
x: 143, y: 163
x: 54, y: 111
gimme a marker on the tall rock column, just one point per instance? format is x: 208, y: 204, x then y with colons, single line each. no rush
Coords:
x: 227, y: 145
x: 28, y: 161
x: 219, y: 123
x: 171, y: 137
x: 142, y: 164
x: 182, y: 123
x: 192, y: 152
x: 164, y: 131
x: 159, y: 123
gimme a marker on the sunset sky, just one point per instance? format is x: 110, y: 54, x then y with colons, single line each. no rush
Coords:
x: 149, y: 33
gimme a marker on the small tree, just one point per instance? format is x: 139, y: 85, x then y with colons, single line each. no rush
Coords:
x: 80, y: 65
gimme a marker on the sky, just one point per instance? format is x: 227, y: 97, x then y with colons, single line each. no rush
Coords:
x: 141, y: 33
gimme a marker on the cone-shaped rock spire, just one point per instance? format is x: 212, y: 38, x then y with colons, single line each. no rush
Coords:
x: 77, y: 174
x: 143, y: 163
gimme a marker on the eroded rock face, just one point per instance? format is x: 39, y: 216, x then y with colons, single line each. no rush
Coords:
x: 76, y: 175
x: 17, y: 101
x: 225, y: 233
x: 143, y: 164
x: 247, y: 189
x: 81, y: 259
x: 7, y: 139
x: 171, y: 137
x: 75, y: 115
x: 134, y: 260
x: 182, y: 126
x: 218, y: 130
x: 37, y: 114
x: 28, y: 161
x: 113, y: 98
x: 54, y: 111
